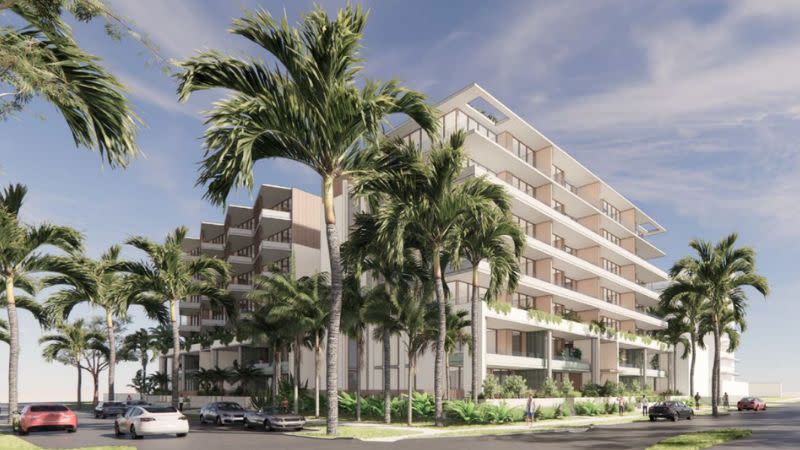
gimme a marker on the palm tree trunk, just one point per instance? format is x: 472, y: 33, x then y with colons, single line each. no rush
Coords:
x: 387, y: 377
x: 691, y: 367
x: 112, y: 356
x: 298, y: 344
x: 96, y: 392
x: 334, y: 319
x: 176, y: 349
x: 144, y: 376
x: 438, y: 381
x: 447, y: 376
x: 474, y: 337
x: 359, y: 363
x: 276, y: 376
x: 80, y: 385
x: 317, y: 370
x: 411, y: 369
x: 13, y: 351
x: 715, y: 382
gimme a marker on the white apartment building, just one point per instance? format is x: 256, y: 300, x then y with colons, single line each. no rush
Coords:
x: 587, y: 261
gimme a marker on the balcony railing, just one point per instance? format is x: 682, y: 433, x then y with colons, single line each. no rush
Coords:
x: 217, y: 240
x: 245, y: 278
x: 285, y: 206
x: 249, y: 224
x: 284, y: 236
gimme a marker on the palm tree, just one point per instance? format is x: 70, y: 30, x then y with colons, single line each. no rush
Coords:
x: 457, y: 323
x: 246, y: 376
x: 70, y: 345
x: 41, y: 58
x: 354, y: 324
x: 219, y: 376
x: 160, y: 380
x: 21, y: 257
x: 719, y: 273
x: 204, y: 379
x: 162, y: 335
x: 106, y: 290
x: 683, y: 308
x: 485, y: 236
x: 309, y: 109
x: 139, y: 344
x: 431, y: 203
x: 4, y: 337
x: 382, y: 313
x: 417, y: 319
x: 168, y: 276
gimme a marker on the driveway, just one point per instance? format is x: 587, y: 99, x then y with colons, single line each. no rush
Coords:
x: 774, y: 428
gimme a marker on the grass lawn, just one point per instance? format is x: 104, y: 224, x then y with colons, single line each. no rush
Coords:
x: 9, y: 442
x: 701, y: 439
x: 345, y: 431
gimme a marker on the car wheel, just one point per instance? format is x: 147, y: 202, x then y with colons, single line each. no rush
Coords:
x: 72, y: 429
x: 202, y: 419
x: 22, y: 432
x: 689, y: 417
x: 116, y: 430
x: 181, y: 434
x: 218, y: 421
x: 267, y: 426
x: 133, y: 433
x: 298, y: 429
x: 246, y: 423
x: 652, y: 418
x: 738, y: 409
x: 674, y: 418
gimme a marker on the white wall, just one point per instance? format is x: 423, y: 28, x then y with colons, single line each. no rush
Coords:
x: 766, y: 389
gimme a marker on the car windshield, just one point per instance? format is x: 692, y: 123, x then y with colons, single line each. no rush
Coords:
x: 48, y: 408
x: 114, y: 404
x: 160, y: 409
x: 230, y: 406
x: 271, y: 410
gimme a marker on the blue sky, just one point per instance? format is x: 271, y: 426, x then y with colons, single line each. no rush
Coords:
x: 687, y: 108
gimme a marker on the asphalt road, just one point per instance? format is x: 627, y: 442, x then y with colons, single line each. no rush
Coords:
x: 777, y: 427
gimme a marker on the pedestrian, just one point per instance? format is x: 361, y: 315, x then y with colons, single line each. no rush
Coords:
x: 284, y: 405
x: 697, y: 400
x: 645, y: 405
x: 530, y: 409
x: 725, y: 401
x: 621, y: 405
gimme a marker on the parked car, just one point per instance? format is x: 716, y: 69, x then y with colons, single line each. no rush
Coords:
x: 670, y: 410
x: 109, y: 409
x: 221, y: 413
x: 140, y: 421
x: 751, y: 403
x: 137, y: 403
x: 47, y: 416
x: 273, y: 419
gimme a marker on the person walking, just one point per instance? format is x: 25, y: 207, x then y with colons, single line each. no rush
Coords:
x: 645, y: 405
x: 726, y: 401
x: 530, y: 410
x: 621, y: 403
x: 697, y: 400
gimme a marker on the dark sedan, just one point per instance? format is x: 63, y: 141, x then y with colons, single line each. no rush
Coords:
x: 670, y: 410
x: 109, y: 409
x: 221, y: 413
x: 273, y: 419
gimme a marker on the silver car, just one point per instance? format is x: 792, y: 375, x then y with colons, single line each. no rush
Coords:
x: 271, y: 418
x: 221, y: 413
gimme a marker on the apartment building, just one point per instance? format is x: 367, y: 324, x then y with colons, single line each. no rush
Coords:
x: 581, y: 309
x: 282, y: 225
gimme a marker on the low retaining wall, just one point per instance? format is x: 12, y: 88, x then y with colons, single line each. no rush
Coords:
x: 190, y: 401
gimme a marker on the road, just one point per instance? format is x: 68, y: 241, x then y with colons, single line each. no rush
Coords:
x: 774, y: 429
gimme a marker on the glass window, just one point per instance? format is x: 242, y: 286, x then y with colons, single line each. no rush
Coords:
x: 491, y: 340
x: 516, y: 342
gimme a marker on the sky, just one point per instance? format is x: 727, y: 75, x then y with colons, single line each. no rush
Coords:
x: 689, y: 109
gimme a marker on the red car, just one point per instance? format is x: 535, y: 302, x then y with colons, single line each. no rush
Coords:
x: 46, y: 416
x: 752, y: 403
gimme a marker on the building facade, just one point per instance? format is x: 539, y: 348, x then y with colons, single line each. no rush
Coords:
x: 581, y: 311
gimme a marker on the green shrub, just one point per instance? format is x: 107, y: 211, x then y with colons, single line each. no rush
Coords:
x: 260, y: 399
x: 347, y: 404
x: 629, y: 406
x: 423, y: 406
x: 491, y: 386
x: 611, y: 408
x: 567, y: 390
x: 591, y: 390
x: 514, y: 386
x: 589, y: 409
x: 464, y: 411
x: 545, y: 413
x: 549, y: 388
x: 612, y: 389
x: 560, y: 411
x: 499, y: 414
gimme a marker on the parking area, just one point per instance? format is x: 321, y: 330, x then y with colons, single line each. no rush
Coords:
x: 775, y: 428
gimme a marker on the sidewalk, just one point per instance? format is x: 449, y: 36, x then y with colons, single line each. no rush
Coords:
x: 432, y: 432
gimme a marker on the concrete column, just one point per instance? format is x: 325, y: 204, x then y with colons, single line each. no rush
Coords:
x: 644, y: 367
x: 595, y: 360
x: 548, y: 353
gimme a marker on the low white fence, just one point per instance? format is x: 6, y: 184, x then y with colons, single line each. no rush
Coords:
x: 189, y: 401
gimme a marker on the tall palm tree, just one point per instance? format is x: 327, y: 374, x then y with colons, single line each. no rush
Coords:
x: 106, y: 290
x: 675, y: 335
x: 308, y: 108
x: 139, y: 344
x: 220, y: 375
x: 719, y: 273
x: 683, y: 307
x: 485, y: 236
x: 246, y: 376
x: 432, y: 203
x: 69, y: 345
x: 168, y: 276
x: 162, y: 335
x: 41, y: 58
x: 382, y: 313
x: 160, y: 380
x: 457, y: 324
x: 354, y: 325
x: 21, y: 257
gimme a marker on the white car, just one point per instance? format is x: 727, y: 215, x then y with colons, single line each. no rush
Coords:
x: 140, y: 421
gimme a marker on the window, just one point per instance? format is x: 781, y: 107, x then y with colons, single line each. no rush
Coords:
x: 461, y: 292
x: 516, y: 343
x: 529, y: 228
x: 527, y: 266
x: 560, y: 177
x: 564, y: 281
x: 610, y: 296
x: 559, y: 243
x: 611, y: 266
x: 611, y: 211
x: 610, y: 237
x: 491, y: 340
x: 610, y: 323
x: 523, y: 301
x: 523, y: 152
x: 513, y: 180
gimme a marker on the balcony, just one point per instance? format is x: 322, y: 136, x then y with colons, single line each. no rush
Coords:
x: 628, y: 370
x: 243, y: 231
x: 242, y: 258
x: 570, y: 364
x: 241, y: 283
x: 499, y: 361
